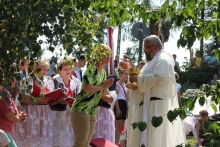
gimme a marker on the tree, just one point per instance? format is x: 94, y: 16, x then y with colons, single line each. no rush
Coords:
x: 70, y: 24
x: 132, y: 53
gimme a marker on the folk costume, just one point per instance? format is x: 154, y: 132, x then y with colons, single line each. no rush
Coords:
x: 36, y: 131
x: 63, y: 131
x: 105, y: 126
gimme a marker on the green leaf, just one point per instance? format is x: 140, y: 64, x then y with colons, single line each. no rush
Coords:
x: 3, y: 94
x: 191, y: 41
x: 207, y: 35
x: 38, y: 70
x: 182, y: 114
x: 142, y: 126
x: 214, y: 107
x: 32, y: 100
x: 182, y: 42
x: 171, y: 116
x: 174, y: 5
x: 156, y: 121
x: 165, y: 6
x: 202, y: 100
x: 134, y: 125
x: 189, y: 103
x: 206, y: 125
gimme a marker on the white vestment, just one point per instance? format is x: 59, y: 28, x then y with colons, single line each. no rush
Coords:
x: 156, y: 80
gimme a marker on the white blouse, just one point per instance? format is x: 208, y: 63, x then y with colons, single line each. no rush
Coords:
x: 121, y: 94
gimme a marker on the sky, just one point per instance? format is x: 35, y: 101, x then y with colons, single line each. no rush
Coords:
x: 170, y: 46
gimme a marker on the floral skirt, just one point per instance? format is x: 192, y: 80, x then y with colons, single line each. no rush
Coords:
x: 62, y: 130
x: 36, y: 131
x: 105, y: 125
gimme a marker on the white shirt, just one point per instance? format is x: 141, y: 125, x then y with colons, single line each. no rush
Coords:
x: 4, y: 140
x: 121, y: 94
x: 178, y: 86
x: 77, y: 71
x: 75, y: 84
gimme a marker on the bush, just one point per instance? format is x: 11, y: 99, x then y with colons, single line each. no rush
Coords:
x: 197, y: 76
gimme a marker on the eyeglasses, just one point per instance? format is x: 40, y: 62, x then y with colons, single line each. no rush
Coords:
x: 144, y: 48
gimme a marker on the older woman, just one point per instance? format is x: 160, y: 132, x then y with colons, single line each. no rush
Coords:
x: 63, y: 132
x: 36, y: 131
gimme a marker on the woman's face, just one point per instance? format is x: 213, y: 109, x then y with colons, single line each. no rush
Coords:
x: 43, y: 70
x: 66, y: 71
x: 124, y: 75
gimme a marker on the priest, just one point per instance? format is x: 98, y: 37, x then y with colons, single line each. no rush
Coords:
x: 155, y: 96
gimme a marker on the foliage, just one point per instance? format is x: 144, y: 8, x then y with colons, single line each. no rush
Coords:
x: 187, y: 85
x: 198, y: 76
x: 213, y: 44
x: 132, y: 53
x: 70, y: 24
x: 210, y: 133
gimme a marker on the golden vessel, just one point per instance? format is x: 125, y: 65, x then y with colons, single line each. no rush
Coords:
x: 133, y: 71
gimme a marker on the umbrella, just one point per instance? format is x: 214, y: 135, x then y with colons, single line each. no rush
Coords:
x: 101, y: 142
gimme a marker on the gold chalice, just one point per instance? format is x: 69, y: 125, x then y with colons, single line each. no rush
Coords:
x: 133, y: 71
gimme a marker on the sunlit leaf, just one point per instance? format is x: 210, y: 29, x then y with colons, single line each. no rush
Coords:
x: 214, y: 107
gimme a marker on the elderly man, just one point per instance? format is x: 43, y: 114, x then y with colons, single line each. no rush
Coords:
x: 155, y: 96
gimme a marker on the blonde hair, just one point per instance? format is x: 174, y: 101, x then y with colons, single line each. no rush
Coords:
x: 41, y: 63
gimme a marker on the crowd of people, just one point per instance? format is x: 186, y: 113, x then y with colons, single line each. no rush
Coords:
x: 83, y: 113
x: 94, y: 105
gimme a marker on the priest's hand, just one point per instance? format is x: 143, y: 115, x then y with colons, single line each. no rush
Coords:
x: 133, y: 78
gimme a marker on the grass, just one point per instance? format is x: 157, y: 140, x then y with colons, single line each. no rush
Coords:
x: 191, y: 140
